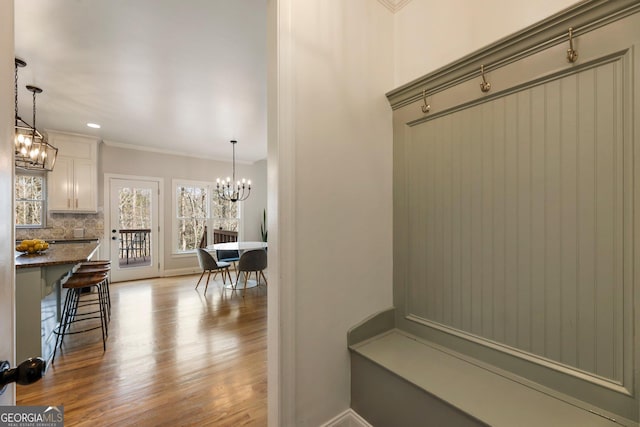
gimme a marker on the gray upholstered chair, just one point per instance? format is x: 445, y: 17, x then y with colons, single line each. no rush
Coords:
x: 209, y: 264
x: 250, y: 261
x: 228, y: 256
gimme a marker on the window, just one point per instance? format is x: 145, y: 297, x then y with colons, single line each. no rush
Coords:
x: 192, y: 214
x: 225, y: 215
x: 195, y: 205
x: 30, y: 199
x: 134, y: 208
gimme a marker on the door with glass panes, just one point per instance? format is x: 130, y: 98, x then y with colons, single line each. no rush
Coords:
x: 133, y: 228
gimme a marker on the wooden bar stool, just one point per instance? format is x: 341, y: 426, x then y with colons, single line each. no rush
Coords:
x: 96, y: 262
x: 90, y: 270
x: 78, y: 307
x: 98, y: 266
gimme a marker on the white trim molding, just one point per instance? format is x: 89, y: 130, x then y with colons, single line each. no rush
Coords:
x: 348, y: 418
x: 394, y: 5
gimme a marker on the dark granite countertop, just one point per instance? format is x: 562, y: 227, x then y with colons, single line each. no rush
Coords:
x: 58, y: 253
x: 83, y: 240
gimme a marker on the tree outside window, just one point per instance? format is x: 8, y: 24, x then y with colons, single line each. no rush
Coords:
x: 30, y: 200
x: 196, y: 206
x: 225, y: 214
x: 134, y: 207
x: 192, y: 213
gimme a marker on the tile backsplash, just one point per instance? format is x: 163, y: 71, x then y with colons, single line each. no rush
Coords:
x: 66, y: 226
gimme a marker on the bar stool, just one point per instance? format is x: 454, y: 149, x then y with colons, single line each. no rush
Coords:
x: 77, y: 307
x: 90, y: 267
x: 99, y: 263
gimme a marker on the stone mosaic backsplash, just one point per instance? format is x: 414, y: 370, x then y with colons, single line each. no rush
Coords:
x: 66, y: 226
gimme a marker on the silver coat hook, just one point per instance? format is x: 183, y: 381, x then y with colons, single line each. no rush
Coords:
x: 426, y: 107
x: 572, y: 54
x: 485, y: 86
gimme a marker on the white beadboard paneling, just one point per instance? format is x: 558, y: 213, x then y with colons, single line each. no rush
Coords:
x: 516, y: 210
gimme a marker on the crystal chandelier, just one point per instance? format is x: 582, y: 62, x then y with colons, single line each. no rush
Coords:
x: 230, y: 189
x: 32, y: 150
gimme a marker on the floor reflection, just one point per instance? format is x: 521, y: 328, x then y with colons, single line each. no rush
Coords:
x: 174, y: 357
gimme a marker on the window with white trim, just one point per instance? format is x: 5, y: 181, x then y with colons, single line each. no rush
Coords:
x: 196, y: 205
x: 191, y: 208
x: 30, y: 199
x: 226, y: 214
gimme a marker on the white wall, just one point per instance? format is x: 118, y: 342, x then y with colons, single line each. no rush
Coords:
x: 257, y: 201
x: 432, y: 33
x: 334, y: 138
x: 7, y: 275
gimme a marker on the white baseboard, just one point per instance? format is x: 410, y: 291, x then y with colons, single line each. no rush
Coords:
x: 181, y: 271
x: 348, y: 418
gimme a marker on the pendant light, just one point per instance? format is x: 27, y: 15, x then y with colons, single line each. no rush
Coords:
x: 32, y: 150
x: 230, y: 189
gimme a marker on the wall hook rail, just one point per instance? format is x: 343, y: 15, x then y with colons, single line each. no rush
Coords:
x: 485, y: 86
x: 572, y: 54
x: 426, y: 107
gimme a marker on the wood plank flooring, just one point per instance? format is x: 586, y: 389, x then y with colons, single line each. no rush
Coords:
x: 175, y: 357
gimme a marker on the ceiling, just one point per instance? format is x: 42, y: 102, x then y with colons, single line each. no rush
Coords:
x: 175, y: 76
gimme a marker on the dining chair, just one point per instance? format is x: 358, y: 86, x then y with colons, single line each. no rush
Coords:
x: 252, y: 261
x: 231, y: 256
x: 209, y: 264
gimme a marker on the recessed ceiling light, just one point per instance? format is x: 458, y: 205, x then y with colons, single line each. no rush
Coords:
x: 93, y: 125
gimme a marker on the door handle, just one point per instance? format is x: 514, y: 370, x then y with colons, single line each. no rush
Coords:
x: 28, y: 372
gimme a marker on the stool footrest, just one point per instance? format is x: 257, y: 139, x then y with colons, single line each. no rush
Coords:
x: 77, y: 302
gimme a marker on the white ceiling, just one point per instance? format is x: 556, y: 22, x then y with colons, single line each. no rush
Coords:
x: 182, y: 76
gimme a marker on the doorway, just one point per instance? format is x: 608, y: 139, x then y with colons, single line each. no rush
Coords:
x: 133, y: 227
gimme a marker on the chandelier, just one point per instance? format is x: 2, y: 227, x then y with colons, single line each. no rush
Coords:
x: 230, y: 189
x: 32, y: 150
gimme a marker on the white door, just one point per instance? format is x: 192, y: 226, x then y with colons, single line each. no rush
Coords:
x: 133, y: 228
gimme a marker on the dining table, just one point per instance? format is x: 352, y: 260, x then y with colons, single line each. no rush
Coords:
x: 240, y: 247
x: 237, y: 246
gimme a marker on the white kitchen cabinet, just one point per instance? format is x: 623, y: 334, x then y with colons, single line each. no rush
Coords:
x: 73, y: 183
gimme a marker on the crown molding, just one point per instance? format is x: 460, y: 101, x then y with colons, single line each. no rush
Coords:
x: 394, y: 5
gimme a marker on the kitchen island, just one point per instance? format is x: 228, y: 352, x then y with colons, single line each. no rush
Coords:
x: 39, y: 294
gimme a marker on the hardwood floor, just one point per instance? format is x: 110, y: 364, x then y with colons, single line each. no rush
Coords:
x: 174, y: 358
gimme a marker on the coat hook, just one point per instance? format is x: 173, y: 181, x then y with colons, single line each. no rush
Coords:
x: 572, y: 54
x: 426, y: 107
x: 484, y: 86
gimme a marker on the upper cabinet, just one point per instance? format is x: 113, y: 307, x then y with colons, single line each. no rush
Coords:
x: 73, y: 183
